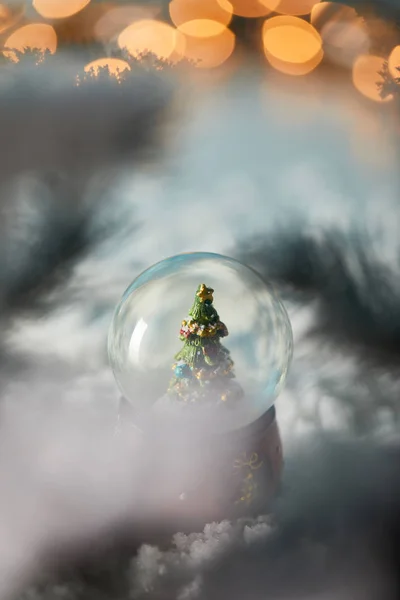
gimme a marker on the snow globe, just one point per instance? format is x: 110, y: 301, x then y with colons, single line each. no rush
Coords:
x: 200, y: 342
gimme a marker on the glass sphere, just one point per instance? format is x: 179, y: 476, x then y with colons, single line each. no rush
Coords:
x: 228, y: 359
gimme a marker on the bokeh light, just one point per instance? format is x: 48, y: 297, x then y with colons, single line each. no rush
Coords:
x: 154, y: 36
x: 296, y: 69
x: 366, y: 76
x: 115, y: 65
x: 59, y: 9
x: 383, y: 34
x: 291, y: 7
x: 118, y: 18
x: 202, y: 28
x: 291, y: 45
x: 209, y: 51
x: 343, y: 32
x: 184, y: 11
x: 35, y: 36
x: 324, y: 12
x: 9, y: 15
x: 394, y: 62
x: 5, y: 17
x: 252, y: 8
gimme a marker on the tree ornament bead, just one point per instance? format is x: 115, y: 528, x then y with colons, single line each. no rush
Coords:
x: 182, y: 371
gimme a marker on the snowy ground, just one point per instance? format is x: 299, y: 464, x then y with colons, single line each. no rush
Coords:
x: 301, y: 182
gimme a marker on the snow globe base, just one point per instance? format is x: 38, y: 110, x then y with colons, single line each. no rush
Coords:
x: 242, y: 474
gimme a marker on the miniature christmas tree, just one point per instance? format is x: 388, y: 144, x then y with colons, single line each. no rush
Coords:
x: 203, y: 371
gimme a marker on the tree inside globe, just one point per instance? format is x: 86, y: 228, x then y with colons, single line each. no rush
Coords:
x: 219, y: 383
x: 203, y: 371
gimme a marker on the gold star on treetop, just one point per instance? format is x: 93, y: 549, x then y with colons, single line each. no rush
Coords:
x: 205, y: 293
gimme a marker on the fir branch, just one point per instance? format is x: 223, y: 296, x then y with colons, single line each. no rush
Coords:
x: 389, y: 85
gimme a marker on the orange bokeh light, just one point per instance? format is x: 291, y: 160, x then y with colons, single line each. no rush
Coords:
x: 115, y: 65
x: 59, y: 9
x: 202, y: 28
x: 5, y: 17
x: 291, y: 7
x: 149, y: 35
x: 343, y: 32
x: 183, y: 11
x: 366, y: 76
x: 8, y: 16
x: 117, y: 19
x: 36, y: 36
x: 296, y: 69
x: 323, y: 12
x: 252, y: 8
x: 209, y: 51
x: 394, y: 62
x: 291, y: 45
